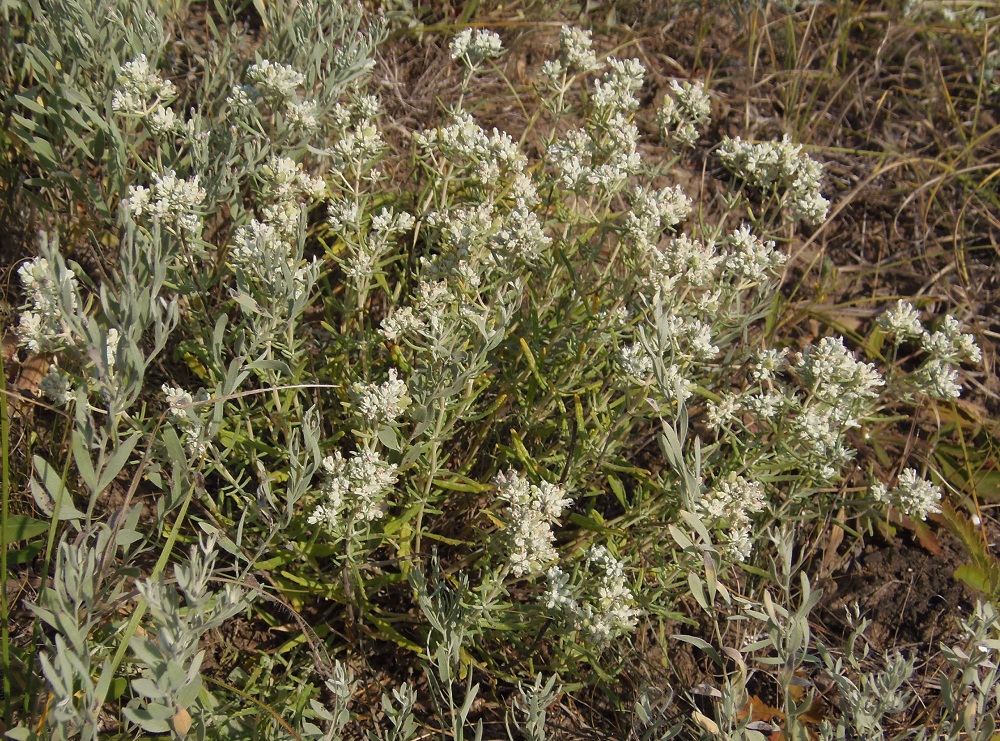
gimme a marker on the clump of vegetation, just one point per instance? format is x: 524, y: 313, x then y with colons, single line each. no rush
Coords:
x: 499, y: 413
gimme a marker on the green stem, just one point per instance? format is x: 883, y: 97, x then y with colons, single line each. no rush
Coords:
x: 161, y: 563
x: 46, y: 565
x: 4, y: 515
x: 431, y: 474
x: 250, y: 698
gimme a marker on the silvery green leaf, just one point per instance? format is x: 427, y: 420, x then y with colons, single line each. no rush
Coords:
x: 117, y: 462
x: 51, y: 492
x: 81, y: 457
x: 22, y: 734
x: 152, y: 718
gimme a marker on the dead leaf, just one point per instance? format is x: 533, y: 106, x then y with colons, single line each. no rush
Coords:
x: 797, y: 690
x: 33, y: 370
x: 816, y: 712
x: 181, y: 721
x: 830, y: 560
x: 760, y: 710
x: 925, y: 536
x: 704, y: 722
x: 9, y: 354
x: 706, y: 690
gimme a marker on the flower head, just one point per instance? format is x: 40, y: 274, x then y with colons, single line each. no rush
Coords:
x: 782, y: 167
x: 902, y: 321
x: 277, y: 81
x: 913, y: 496
x: 474, y: 47
x: 51, y: 292
x: 951, y: 344
x: 358, y: 484
x: 141, y: 91
x: 576, y: 50
x: 684, y: 111
x: 381, y: 404
x: 170, y: 200
x: 530, y: 512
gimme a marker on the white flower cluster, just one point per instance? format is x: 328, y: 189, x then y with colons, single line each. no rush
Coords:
x: 277, y: 81
x: 521, y: 235
x: 767, y: 364
x: 180, y: 408
x: 731, y: 503
x: 636, y: 362
x: 358, y: 484
x: 603, y: 612
x: 938, y: 379
x: 615, y: 92
x: 171, y: 201
x: 674, y: 384
x: 819, y: 430
x: 402, y: 322
x: 144, y: 94
x: 684, y: 337
x: 653, y: 211
x: 604, y: 153
x: 576, y: 50
x: 839, y: 391
x: 469, y: 280
x: 683, y: 260
x: 690, y: 291
x: 833, y: 374
x: 473, y: 47
x: 901, y: 321
x: 51, y: 291
x: 913, y: 496
x: 427, y: 316
x: 362, y: 110
x: 367, y: 249
x: 530, y: 510
x: 780, y: 167
x: 947, y: 347
x: 243, y: 98
x: 388, y: 222
x: 283, y: 183
x: 475, y: 244
x: 484, y: 157
x: 284, y: 180
x: 576, y: 56
x: 381, y: 404
x: 438, y: 318
x: 585, y: 162
x: 764, y: 405
x: 57, y: 385
x: 302, y: 115
x: 179, y: 401
x: 749, y: 258
x: 360, y: 143
x: 344, y: 217
x: 643, y: 367
x: 722, y: 413
x: 253, y: 243
x: 277, y: 84
x: 464, y: 236
x: 263, y: 258
x: 949, y: 343
x: 686, y: 110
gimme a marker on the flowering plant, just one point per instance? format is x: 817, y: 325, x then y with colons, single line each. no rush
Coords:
x: 421, y: 409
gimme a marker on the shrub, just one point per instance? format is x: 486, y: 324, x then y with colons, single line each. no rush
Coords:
x: 425, y: 404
